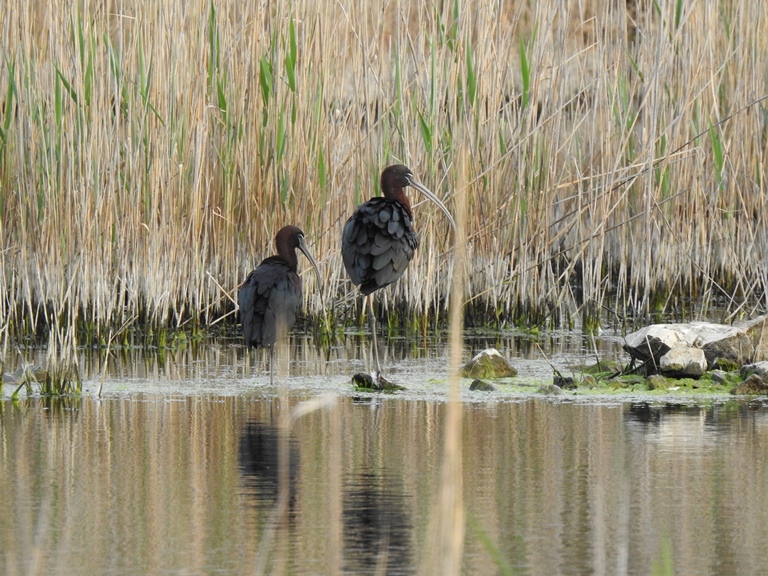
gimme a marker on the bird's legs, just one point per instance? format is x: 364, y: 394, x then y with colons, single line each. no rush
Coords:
x: 271, y: 362
x: 377, y: 375
x: 375, y: 380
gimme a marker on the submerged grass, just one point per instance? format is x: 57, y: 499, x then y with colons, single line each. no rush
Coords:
x: 615, y: 157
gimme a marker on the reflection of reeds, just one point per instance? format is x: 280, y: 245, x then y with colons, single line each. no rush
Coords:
x: 148, y: 153
x: 153, y: 483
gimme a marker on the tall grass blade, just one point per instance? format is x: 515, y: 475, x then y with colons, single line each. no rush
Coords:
x: 213, y: 46
x: 718, y: 153
x: 471, y: 77
x: 525, y: 75
x: 322, y: 169
x: 290, y: 56
x: 678, y: 13
x: 281, y: 137
x: 426, y: 132
x: 11, y: 94
x: 265, y: 80
x: 69, y: 90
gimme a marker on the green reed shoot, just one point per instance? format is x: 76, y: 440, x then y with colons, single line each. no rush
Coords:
x: 471, y: 78
x: 525, y: 75
x: 265, y: 81
x: 290, y: 56
x: 718, y: 153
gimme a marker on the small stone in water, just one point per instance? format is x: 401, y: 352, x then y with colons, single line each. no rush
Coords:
x: 482, y: 385
x: 751, y: 386
x: 488, y: 364
x: 564, y: 382
x: 368, y: 382
x: 551, y: 390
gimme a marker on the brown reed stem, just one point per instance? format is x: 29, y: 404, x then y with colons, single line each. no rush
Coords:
x: 446, y: 542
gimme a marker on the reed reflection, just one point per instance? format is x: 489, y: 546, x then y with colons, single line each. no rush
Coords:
x: 556, y: 487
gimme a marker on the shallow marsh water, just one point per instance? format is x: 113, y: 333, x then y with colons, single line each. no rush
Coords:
x: 175, y: 470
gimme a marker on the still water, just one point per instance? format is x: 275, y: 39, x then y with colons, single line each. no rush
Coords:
x: 175, y: 470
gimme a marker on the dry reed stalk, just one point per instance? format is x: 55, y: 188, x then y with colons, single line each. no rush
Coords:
x: 444, y: 552
x: 149, y: 151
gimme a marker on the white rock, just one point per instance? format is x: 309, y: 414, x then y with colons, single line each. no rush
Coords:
x: 684, y: 361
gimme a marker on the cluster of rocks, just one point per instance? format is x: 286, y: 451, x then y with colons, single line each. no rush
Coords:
x: 669, y: 350
x: 689, y: 350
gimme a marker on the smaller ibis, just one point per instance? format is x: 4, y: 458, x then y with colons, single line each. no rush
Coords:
x: 270, y: 297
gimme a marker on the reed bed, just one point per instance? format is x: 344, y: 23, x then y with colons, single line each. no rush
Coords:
x: 615, y: 156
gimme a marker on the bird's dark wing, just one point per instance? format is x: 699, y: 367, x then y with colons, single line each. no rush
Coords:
x: 271, y: 294
x: 377, y: 244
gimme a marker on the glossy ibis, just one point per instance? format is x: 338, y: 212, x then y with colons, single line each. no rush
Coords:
x: 271, y: 295
x: 379, y: 239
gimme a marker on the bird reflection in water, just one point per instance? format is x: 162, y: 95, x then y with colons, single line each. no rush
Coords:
x: 377, y: 528
x: 259, y: 463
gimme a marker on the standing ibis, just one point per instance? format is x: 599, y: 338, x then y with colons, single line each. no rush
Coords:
x: 271, y: 295
x: 379, y: 239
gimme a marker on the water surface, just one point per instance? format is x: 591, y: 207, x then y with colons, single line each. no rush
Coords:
x: 176, y: 469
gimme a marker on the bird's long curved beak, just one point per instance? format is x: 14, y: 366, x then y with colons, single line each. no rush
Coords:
x: 305, y: 249
x: 430, y: 195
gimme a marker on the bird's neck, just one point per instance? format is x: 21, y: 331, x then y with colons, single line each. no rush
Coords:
x: 398, y: 195
x: 291, y: 258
